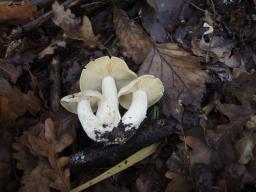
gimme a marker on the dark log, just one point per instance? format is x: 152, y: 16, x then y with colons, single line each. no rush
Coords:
x: 100, y: 156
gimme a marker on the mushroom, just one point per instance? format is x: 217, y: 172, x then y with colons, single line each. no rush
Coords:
x: 70, y: 102
x: 87, y: 102
x: 106, y: 75
x: 137, y: 97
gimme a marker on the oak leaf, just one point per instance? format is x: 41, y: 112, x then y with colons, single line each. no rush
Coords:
x: 181, y: 74
x: 74, y: 27
x: 35, y: 181
x: 46, y: 145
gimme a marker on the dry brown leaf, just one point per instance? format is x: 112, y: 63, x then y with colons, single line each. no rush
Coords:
x: 60, y: 182
x: 232, y: 110
x: 74, y: 27
x: 46, y: 145
x: 49, y: 50
x: 25, y: 160
x: 13, y: 103
x: 17, y: 13
x: 133, y: 41
x: 225, y: 132
x: 180, y: 72
x: 200, y: 153
x: 241, y: 89
x: 35, y: 181
x: 218, y: 48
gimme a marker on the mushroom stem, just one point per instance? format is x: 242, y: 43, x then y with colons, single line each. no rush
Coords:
x: 108, y: 111
x: 137, y: 110
x: 90, y: 123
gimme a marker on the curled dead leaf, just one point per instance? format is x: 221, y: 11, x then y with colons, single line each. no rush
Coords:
x: 180, y: 72
x: 74, y: 27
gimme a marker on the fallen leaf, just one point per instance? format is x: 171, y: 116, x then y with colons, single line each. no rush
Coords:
x: 161, y: 16
x: 232, y: 110
x: 16, y: 45
x: 200, y: 153
x: 17, y: 13
x: 218, y: 48
x: 15, y: 104
x: 241, y: 91
x: 226, y: 131
x: 180, y: 72
x: 66, y: 132
x: 244, y: 148
x: 25, y: 160
x: 74, y: 27
x: 57, y: 181
x: 35, y: 181
x: 10, y: 71
x: 46, y: 144
x: 49, y: 50
x: 133, y: 41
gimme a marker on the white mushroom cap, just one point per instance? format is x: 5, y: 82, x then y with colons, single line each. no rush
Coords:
x: 70, y: 102
x: 148, y: 83
x: 94, y: 72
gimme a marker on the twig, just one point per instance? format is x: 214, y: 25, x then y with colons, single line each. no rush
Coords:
x: 133, y: 159
x: 16, y: 33
x: 55, y: 85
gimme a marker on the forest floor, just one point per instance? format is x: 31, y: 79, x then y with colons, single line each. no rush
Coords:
x: 204, y: 52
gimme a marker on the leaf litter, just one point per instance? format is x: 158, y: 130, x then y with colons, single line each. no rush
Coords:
x: 209, y: 99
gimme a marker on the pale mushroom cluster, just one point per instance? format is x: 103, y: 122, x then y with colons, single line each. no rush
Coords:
x: 105, y: 83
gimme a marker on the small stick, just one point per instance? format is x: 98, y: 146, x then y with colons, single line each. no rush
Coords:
x: 17, y: 32
x: 55, y: 85
x: 133, y: 159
